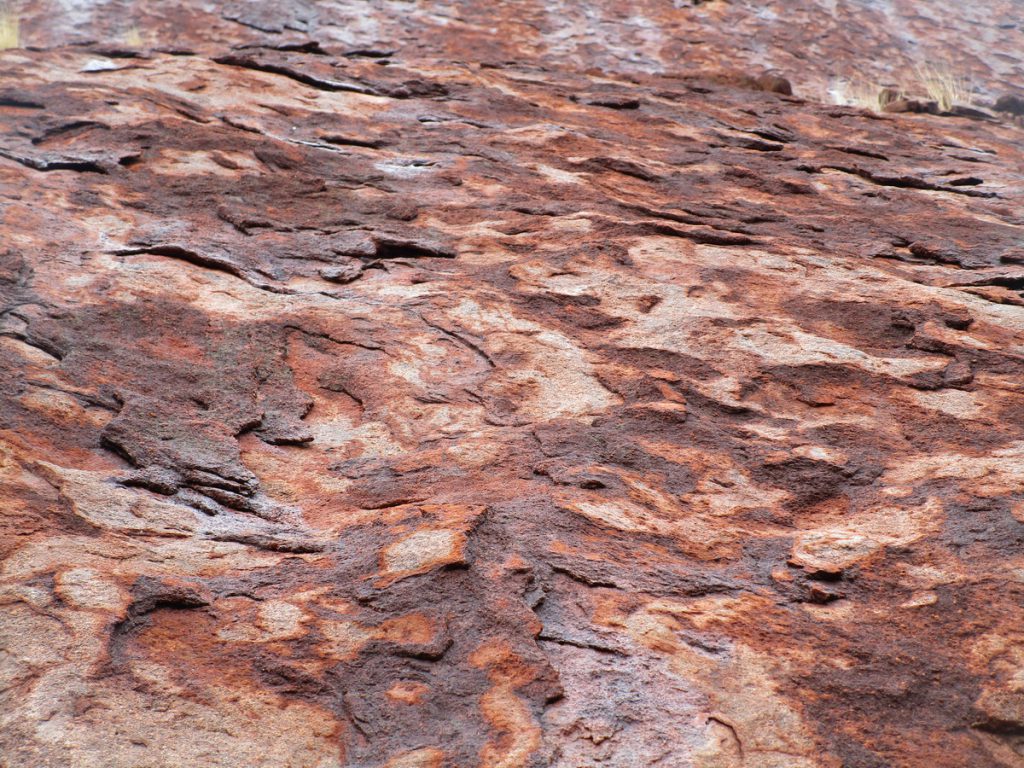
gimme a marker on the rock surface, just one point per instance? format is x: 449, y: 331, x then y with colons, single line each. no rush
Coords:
x: 413, y: 385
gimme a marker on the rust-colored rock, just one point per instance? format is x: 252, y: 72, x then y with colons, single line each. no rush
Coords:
x: 414, y: 385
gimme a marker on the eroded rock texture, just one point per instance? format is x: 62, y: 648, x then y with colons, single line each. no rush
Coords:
x: 448, y: 389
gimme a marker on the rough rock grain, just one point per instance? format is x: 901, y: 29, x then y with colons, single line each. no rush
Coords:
x: 407, y: 385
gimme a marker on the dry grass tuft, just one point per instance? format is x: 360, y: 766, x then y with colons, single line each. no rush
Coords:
x: 944, y: 86
x: 9, y: 28
x: 936, y: 83
x: 861, y: 93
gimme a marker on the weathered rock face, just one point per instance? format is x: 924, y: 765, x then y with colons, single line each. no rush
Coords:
x: 490, y: 399
x: 883, y: 41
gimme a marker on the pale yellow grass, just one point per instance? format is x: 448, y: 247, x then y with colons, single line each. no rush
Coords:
x: 862, y: 93
x: 9, y: 28
x: 944, y: 86
x: 939, y: 83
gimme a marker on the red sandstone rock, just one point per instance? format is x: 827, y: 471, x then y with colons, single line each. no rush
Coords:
x: 421, y: 385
